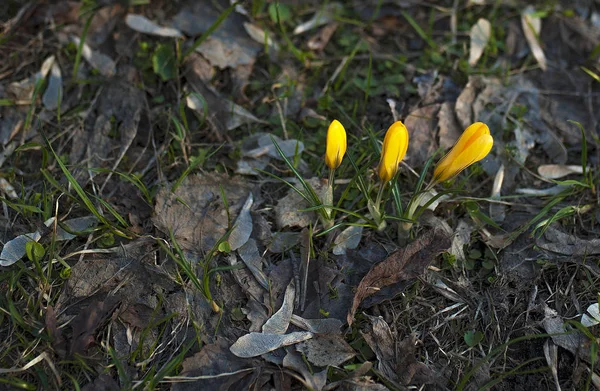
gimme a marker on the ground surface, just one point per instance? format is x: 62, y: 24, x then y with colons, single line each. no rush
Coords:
x: 152, y: 238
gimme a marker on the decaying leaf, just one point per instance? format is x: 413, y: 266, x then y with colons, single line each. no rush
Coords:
x: 255, y: 344
x: 556, y: 171
x: 54, y: 92
x: 480, y: 35
x: 349, y: 238
x: 288, y: 209
x: 326, y: 349
x: 566, y: 336
x: 99, y: 61
x: 144, y: 25
x: 323, y: 16
x: 14, y: 249
x: 260, y: 35
x: 280, y: 321
x: 253, y: 261
x: 86, y: 323
x: 229, y: 45
x: 320, y: 40
x: 563, y: 243
x: 592, y: 316
x: 243, y: 226
x: 195, y: 213
x: 421, y: 125
x: 215, y: 368
x: 318, y: 326
x: 8, y: 189
x: 402, y: 265
x: 532, y: 26
x: 462, y: 236
x: 314, y: 381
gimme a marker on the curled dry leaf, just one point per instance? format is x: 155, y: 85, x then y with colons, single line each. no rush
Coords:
x: 260, y: 35
x: 592, y: 316
x: 323, y: 16
x: 480, y: 35
x: 255, y: 344
x: 532, y: 25
x: 144, y: 25
x: 8, y: 189
x: 253, y: 261
x: 314, y: 381
x: 401, y: 265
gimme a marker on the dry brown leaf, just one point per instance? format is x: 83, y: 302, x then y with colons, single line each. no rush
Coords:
x: 319, y: 41
x: 403, y: 264
x: 86, y: 323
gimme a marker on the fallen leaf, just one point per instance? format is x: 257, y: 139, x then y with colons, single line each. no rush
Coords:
x: 566, y: 336
x: 323, y: 16
x: 421, y: 124
x: 326, y: 349
x: 402, y: 265
x: 144, y: 25
x: 382, y: 342
x: 556, y: 171
x: 215, y: 368
x: 242, y: 228
x: 195, y: 213
x: 532, y: 26
x: 288, y: 211
x: 592, y: 316
x: 8, y: 189
x: 104, y: 382
x: 462, y: 236
x: 480, y: 35
x: 280, y: 321
x: 314, y: 381
x: 318, y: 326
x: 229, y: 45
x: 349, y: 238
x: 260, y: 35
x: 319, y: 41
x: 563, y: 243
x: 54, y: 92
x: 256, y: 344
x: 449, y: 131
x: 253, y: 261
x: 99, y: 61
x: 85, y: 325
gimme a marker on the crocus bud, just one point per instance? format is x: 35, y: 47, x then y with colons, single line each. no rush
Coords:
x: 336, y: 144
x: 472, y: 146
x: 394, y: 148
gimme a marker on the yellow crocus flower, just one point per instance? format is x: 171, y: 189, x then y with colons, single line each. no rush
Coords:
x: 394, y: 149
x: 472, y: 146
x: 336, y: 144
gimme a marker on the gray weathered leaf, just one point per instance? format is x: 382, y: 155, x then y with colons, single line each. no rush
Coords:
x: 77, y: 224
x: 555, y: 171
x: 322, y: 16
x: 480, y: 35
x: 144, y: 25
x: 532, y: 25
x: 255, y: 344
x: 318, y: 326
x: 8, y: 189
x: 326, y: 349
x: 99, y: 61
x: 243, y: 226
x: 14, y: 249
x: 253, y: 261
x: 54, y: 92
x: 260, y: 35
x: 314, y: 381
x: 280, y: 321
x: 349, y: 238
x: 592, y: 316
